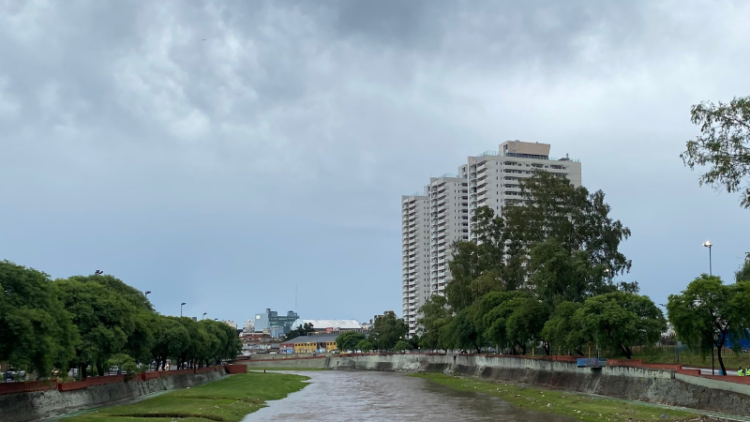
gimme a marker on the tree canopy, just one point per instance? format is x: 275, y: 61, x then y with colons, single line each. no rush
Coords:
x: 708, y: 312
x: 387, y: 331
x: 723, y: 146
x: 349, y: 340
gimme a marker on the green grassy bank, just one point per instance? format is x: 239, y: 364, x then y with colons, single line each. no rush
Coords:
x: 579, y: 406
x: 226, y: 400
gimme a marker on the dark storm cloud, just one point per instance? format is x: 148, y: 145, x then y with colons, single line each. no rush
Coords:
x: 255, y: 146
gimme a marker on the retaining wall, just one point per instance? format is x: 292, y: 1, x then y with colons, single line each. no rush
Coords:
x: 654, y: 385
x: 28, y: 407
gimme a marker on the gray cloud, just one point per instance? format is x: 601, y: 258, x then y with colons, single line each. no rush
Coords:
x: 225, y: 152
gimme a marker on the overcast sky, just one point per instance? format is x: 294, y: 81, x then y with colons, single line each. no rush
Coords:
x: 222, y: 153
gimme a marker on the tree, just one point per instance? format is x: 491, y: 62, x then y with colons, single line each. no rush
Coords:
x: 744, y: 273
x: 561, y: 332
x: 724, y: 145
x: 36, y: 332
x: 388, y: 330
x: 402, y: 346
x: 620, y: 320
x: 525, y: 324
x: 708, y: 312
x: 104, y: 319
x: 494, y: 313
x: 349, y: 340
x: 576, y: 219
x: 171, y: 340
x: 301, y: 330
x: 465, y: 330
x: 364, y: 346
x: 434, y: 315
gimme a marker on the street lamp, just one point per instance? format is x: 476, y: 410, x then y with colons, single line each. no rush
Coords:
x: 181, y: 305
x: 204, y: 314
x: 148, y: 292
x: 708, y: 244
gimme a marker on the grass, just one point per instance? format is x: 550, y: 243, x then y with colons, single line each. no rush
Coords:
x: 579, y: 406
x: 281, y: 368
x: 226, y: 400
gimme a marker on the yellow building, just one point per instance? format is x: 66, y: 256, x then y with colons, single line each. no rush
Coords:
x: 321, y: 343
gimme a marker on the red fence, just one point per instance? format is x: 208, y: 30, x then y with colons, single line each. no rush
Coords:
x: 26, y: 387
x: 31, y: 386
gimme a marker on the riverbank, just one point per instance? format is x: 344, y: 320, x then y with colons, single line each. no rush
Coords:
x: 226, y: 400
x: 582, y: 407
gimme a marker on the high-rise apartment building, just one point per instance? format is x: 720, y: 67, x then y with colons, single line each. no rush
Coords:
x: 490, y: 179
x: 415, y: 248
x: 494, y: 175
x: 449, y: 221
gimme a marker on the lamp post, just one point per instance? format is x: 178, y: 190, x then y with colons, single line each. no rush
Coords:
x: 204, y: 315
x: 148, y: 292
x: 708, y: 244
x: 181, y: 305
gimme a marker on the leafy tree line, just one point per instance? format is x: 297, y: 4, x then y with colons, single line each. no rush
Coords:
x: 541, y: 273
x: 388, y: 333
x: 94, y: 322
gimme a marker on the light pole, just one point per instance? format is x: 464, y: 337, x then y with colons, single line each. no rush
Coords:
x: 708, y: 244
x: 204, y: 315
x: 148, y: 292
x: 181, y: 305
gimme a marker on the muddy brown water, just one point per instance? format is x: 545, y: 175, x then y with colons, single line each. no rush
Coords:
x: 393, y: 397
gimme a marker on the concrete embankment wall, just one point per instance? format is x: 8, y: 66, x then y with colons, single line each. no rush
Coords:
x: 27, y: 407
x: 632, y: 383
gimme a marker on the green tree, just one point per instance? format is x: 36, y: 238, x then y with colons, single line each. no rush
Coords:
x: 525, y: 324
x: 104, y: 319
x: 433, y: 315
x: 365, y: 346
x: 388, y: 330
x: 744, y: 273
x: 561, y: 332
x: 465, y: 331
x: 349, y: 340
x: 576, y: 219
x: 36, y: 332
x: 708, y: 312
x: 171, y: 340
x: 402, y: 346
x: 493, y: 315
x: 723, y: 146
x: 620, y: 320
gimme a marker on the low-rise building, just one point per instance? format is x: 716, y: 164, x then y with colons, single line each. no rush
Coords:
x: 330, y: 325
x: 320, y: 343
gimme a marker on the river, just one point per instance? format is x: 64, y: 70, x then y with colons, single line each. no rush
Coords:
x: 392, y: 397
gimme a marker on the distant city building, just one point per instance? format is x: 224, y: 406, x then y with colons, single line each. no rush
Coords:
x: 433, y: 220
x: 249, y: 326
x: 273, y: 323
x: 230, y: 323
x: 309, y: 344
x: 330, y: 324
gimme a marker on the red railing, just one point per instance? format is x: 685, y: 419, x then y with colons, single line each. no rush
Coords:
x: 26, y: 387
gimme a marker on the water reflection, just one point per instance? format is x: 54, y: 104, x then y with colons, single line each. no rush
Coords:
x: 381, y: 396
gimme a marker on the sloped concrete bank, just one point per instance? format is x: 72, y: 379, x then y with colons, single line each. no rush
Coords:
x: 28, y: 407
x: 647, y: 385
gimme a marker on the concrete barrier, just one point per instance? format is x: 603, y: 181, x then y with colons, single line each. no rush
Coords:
x: 45, y: 404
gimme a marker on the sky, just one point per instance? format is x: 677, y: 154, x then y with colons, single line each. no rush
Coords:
x: 239, y: 156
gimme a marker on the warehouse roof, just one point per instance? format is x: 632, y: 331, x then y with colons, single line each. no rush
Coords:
x: 336, y: 324
x: 323, y: 338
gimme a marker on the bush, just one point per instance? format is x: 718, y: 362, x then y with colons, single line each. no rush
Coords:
x: 403, y: 346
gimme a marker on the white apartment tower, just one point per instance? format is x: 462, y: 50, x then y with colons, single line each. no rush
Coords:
x: 415, y: 248
x: 449, y: 221
x: 494, y: 175
x: 433, y: 221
